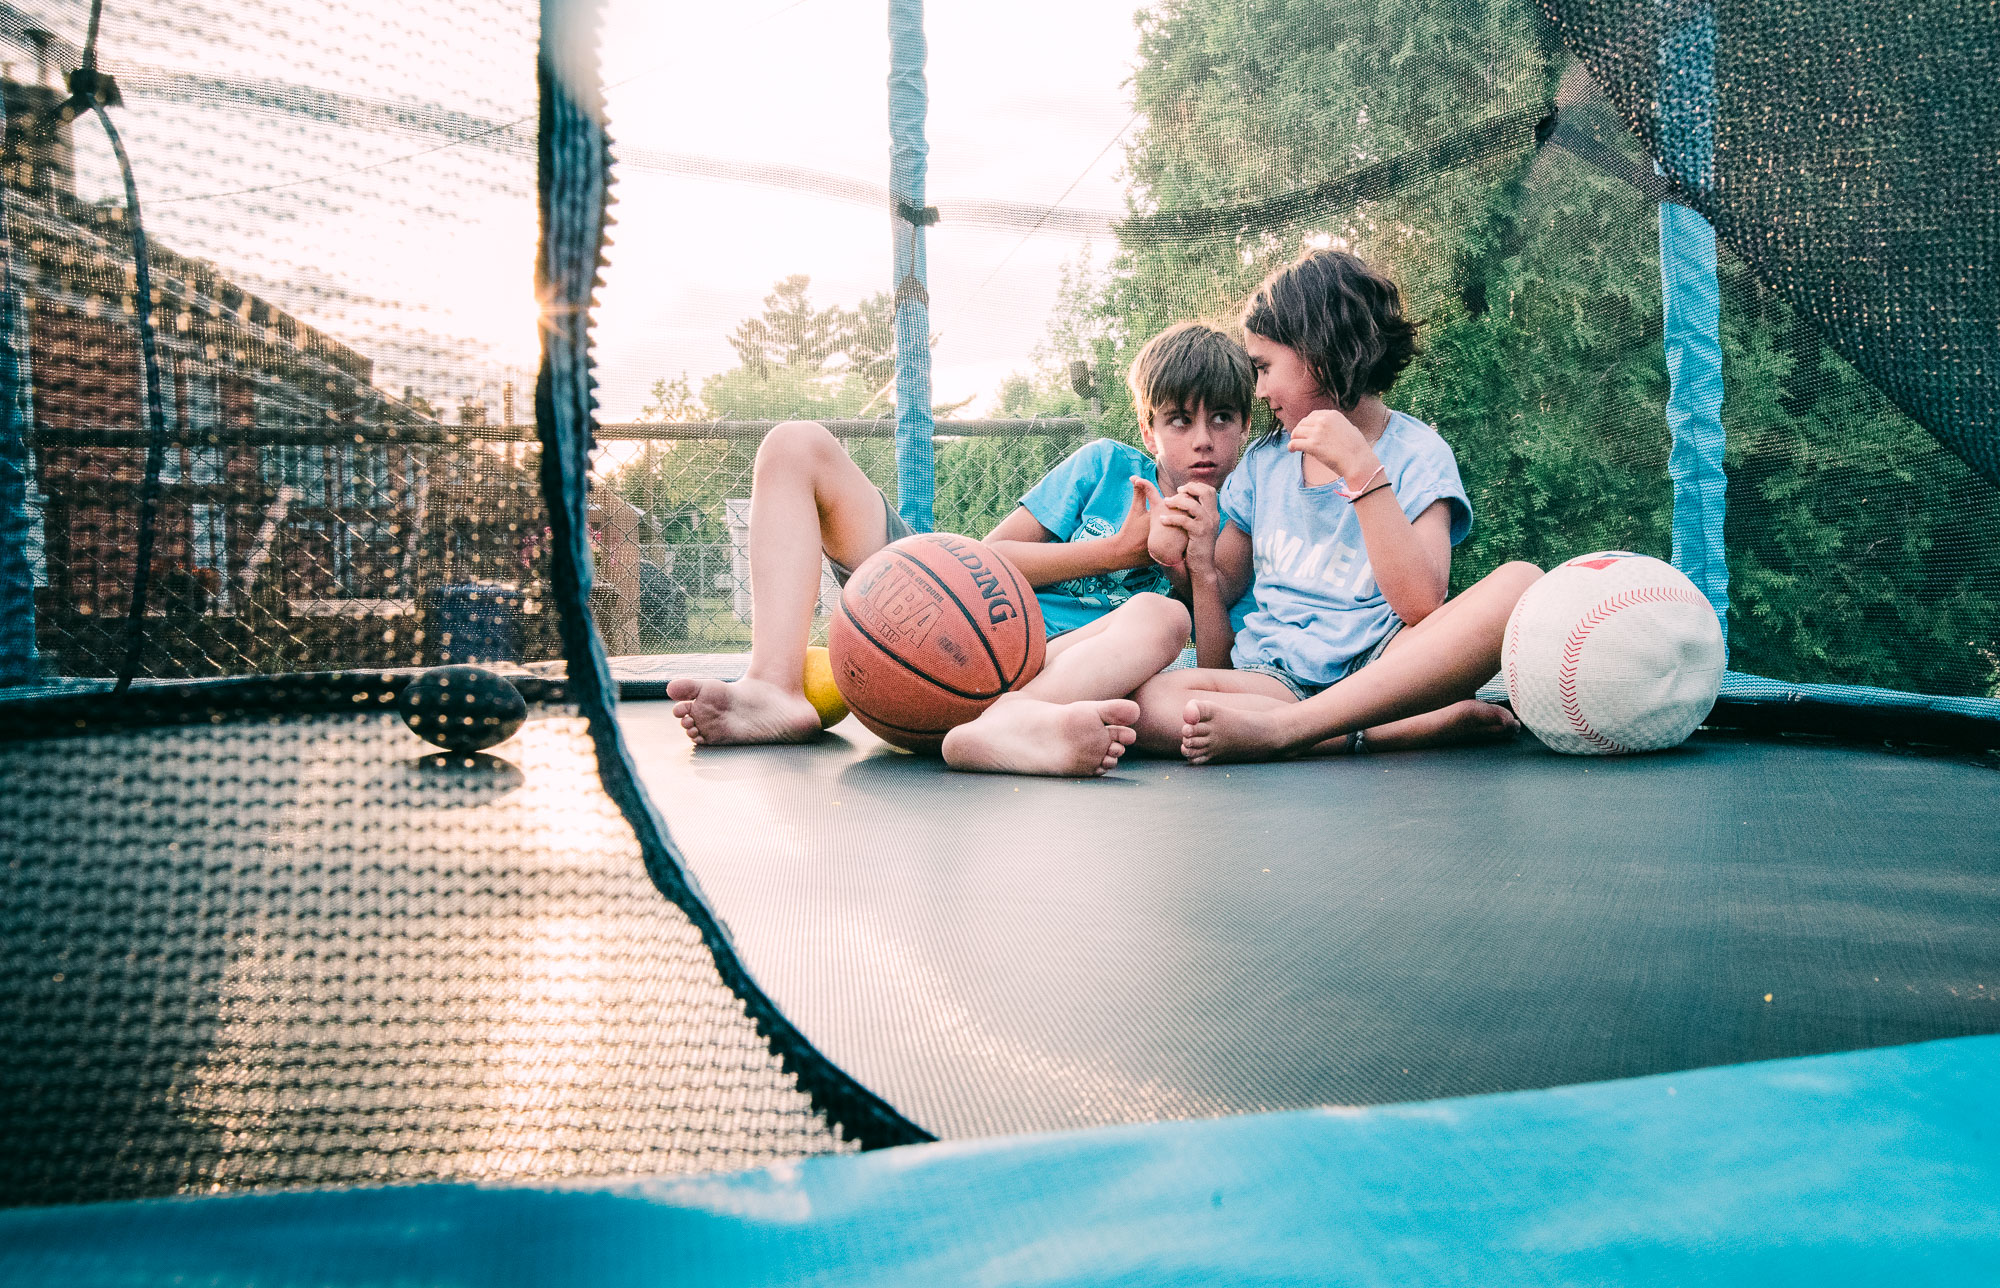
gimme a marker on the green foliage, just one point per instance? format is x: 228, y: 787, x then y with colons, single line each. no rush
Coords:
x: 1858, y: 549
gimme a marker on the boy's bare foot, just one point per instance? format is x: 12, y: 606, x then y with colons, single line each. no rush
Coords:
x: 719, y: 713
x: 1213, y: 732
x: 1467, y: 721
x: 1057, y: 739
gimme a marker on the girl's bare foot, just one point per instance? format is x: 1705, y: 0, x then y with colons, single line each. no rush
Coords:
x: 1213, y: 732
x: 719, y: 713
x: 1018, y: 735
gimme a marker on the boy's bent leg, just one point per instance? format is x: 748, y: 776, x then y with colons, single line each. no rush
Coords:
x: 1114, y: 654
x: 1024, y: 735
x: 1433, y: 665
x: 1072, y: 719
x: 806, y: 496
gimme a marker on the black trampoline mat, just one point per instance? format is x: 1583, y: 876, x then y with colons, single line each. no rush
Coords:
x: 997, y: 954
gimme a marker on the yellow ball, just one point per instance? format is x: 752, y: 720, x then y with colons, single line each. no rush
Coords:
x: 820, y: 690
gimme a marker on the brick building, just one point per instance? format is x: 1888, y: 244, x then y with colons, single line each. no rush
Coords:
x: 302, y: 513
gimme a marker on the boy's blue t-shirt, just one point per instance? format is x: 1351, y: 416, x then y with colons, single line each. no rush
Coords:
x: 1087, y: 496
x: 1316, y: 604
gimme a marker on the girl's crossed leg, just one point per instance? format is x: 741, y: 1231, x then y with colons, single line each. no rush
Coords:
x: 1418, y: 693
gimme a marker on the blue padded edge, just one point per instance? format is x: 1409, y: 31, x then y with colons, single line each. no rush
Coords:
x: 1740, y: 687
x: 909, y: 155
x: 1872, y: 1167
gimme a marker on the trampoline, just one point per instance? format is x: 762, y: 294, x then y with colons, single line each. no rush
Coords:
x: 1483, y: 1014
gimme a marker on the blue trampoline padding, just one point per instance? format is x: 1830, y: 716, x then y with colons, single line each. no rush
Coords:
x: 1740, y: 687
x: 1873, y: 1167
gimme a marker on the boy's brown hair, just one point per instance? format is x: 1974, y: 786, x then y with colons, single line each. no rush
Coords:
x: 1342, y: 317
x: 1190, y: 365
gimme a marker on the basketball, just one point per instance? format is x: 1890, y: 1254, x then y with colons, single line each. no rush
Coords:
x: 1612, y: 653
x: 931, y: 630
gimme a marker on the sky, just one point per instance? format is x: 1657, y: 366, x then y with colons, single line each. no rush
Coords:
x: 418, y: 250
x: 1025, y: 98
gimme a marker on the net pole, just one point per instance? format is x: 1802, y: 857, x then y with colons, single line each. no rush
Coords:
x: 1691, y: 307
x: 916, y: 465
x: 18, y: 663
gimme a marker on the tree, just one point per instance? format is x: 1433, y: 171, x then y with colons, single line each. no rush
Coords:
x: 795, y: 361
x: 673, y: 401
x: 1538, y: 280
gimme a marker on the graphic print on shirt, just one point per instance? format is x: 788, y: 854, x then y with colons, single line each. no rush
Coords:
x: 1336, y: 565
x: 1099, y: 590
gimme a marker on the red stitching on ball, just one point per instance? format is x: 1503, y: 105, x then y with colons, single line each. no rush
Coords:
x: 1513, y: 651
x: 1599, y: 614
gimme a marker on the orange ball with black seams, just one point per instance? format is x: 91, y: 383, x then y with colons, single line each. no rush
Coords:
x: 931, y: 630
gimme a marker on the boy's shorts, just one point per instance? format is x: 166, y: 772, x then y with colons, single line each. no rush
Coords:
x: 1303, y: 689
x: 894, y: 526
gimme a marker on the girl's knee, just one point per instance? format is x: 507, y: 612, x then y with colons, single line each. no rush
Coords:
x: 1508, y: 582
x: 1517, y: 576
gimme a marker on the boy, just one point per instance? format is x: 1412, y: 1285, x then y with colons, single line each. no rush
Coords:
x: 1080, y: 536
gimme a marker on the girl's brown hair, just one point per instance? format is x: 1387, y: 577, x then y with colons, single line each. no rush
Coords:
x: 1342, y: 317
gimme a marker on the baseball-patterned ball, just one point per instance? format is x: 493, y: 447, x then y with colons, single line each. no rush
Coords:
x: 1612, y: 653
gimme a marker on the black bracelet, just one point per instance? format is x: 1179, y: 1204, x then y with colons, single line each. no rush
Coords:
x: 1365, y: 491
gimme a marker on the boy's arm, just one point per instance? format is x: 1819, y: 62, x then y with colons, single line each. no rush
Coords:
x: 1024, y: 542
x: 1218, y: 561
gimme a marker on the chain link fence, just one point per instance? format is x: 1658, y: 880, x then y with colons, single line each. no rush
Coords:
x: 278, y: 550
x: 675, y: 501
x: 406, y: 548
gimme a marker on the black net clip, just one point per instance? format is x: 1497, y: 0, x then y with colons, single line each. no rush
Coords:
x: 90, y: 88
x: 909, y: 214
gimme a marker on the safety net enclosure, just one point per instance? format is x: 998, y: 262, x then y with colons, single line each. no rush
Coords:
x: 338, y: 344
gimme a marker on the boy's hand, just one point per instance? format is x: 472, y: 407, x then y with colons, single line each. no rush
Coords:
x: 1332, y: 439
x: 1192, y: 514
x: 1167, y: 542
x: 1129, y: 543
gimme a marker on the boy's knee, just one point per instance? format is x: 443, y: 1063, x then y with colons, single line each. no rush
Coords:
x: 794, y: 445
x: 1168, y: 617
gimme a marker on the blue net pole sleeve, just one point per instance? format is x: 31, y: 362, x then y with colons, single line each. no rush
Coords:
x: 1691, y: 303
x: 18, y: 664
x: 916, y: 468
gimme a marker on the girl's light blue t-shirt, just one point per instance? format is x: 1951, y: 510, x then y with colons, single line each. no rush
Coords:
x: 1316, y: 604
x: 1089, y: 495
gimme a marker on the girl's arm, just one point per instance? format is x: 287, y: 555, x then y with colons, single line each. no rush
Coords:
x: 1216, y: 586
x: 1412, y: 560
x: 1025, y: 543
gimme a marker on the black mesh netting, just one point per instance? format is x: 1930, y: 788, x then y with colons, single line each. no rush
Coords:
x: 291, y: 951
x: 1845, y: 152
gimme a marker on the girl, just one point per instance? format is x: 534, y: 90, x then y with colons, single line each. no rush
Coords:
x: 1341, y: 521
